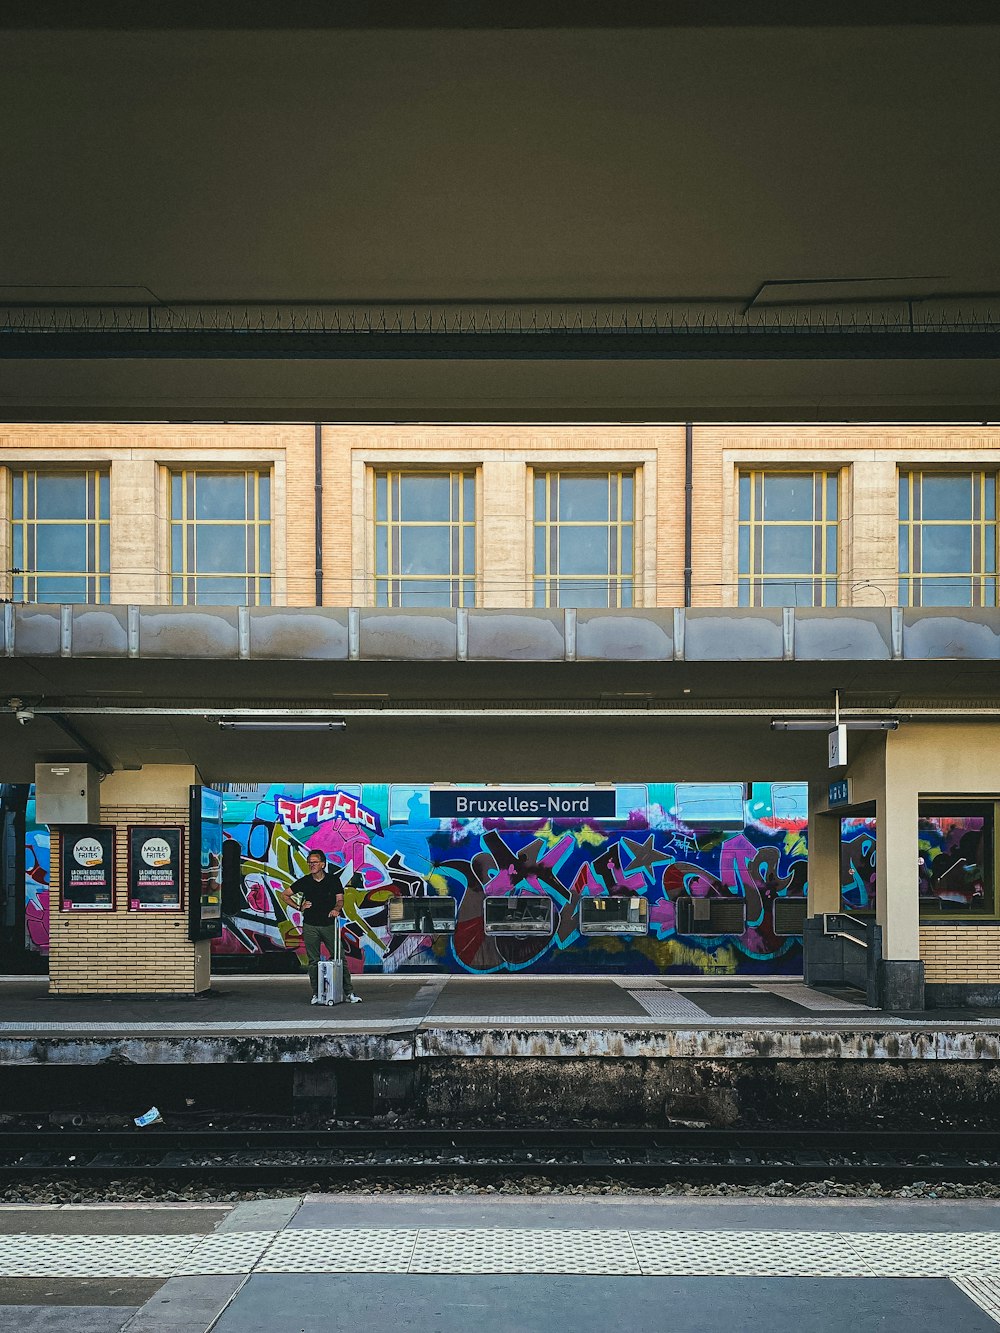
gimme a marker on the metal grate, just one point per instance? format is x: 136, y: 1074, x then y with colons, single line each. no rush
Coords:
x: 789, y: 915
x: 861, y: 310
x: 710, y: 916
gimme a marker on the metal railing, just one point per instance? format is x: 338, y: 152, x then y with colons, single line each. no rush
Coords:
x: 841, y: 925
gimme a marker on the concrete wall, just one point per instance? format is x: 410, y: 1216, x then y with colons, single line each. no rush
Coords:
x: 140, y: 458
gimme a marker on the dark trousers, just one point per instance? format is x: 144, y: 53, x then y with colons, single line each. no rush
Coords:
x: 315, y: 937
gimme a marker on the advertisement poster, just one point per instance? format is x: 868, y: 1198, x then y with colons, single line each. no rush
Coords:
x: 88, y: 869
x: 154, y: 868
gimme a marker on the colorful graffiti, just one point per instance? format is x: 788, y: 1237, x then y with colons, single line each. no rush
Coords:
x: 36, y: 883
x: 385, y: 834
x: 953, y: 853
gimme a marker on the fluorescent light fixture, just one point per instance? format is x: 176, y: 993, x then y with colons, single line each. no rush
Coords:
x: 281, y: 724
x: 828, y: 724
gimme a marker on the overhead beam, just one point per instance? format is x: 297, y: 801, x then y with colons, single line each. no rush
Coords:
x: 486, y: 14
x: 555, y: 345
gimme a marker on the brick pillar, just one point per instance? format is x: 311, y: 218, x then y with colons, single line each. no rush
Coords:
x: 125, y: 952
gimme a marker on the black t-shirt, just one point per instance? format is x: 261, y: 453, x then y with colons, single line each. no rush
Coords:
x: 322, y: 894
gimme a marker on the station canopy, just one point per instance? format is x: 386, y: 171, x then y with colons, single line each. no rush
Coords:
x: 287, y: 694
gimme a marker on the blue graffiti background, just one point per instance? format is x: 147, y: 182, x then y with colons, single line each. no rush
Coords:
x: 669, y: 843
x: 663, y: 846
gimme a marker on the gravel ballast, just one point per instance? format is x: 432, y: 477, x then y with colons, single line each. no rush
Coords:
x: 132, y: 1190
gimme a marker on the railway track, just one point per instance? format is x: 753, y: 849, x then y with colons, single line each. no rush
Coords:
x: 405, y: 1156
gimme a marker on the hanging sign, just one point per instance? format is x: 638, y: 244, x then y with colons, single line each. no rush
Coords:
x: 154, y: 867
x: 522, y: 803
x: 837, y: 746
x: 87, y: 868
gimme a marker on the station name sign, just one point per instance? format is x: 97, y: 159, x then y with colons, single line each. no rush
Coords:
x: 522, y: 803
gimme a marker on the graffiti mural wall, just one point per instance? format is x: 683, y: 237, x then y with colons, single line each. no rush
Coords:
x: 36, y: 883
x: 384, y: 834
x: 720, y: 844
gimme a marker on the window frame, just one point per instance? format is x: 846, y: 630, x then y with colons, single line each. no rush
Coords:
x: 257, y: 580
x: 755, y: 580
x: 909, y: 585
x: 97, y: 525
x: 547, y: 581
x: 464, y: 584
x: 937, y: 911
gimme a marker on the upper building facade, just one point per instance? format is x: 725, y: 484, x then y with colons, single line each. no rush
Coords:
x: 500, y: 516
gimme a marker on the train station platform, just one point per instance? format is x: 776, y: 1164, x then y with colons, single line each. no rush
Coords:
x: 519, y: 1263
x: 408, y: 1016
x: 445, y: 1049
x: 444, y: 1007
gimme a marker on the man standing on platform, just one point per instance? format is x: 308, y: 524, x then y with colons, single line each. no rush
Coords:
x: 320, y: 897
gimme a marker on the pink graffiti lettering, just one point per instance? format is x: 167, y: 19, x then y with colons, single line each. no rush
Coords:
x: 321, y: 806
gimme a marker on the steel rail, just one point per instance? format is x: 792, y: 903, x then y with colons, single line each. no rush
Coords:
x: 634, y: 1156
x: 172, y: 1139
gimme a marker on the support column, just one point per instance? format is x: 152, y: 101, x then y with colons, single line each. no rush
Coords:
x: 6, y: 578
x: 897, y: 909
x: 869, y: 519
x: 135, y: 502
x: 884, y: 774
x: 822, y: 955
x: 122, y: 951
x: 503, y: 556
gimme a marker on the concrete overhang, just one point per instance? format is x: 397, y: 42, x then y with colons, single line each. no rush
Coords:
x: 493, y: 695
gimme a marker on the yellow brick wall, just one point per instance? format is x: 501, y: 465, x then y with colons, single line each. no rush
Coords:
x: 502, y: 456
x: 124, y: 952
x: 868, y: 456
x: 961, y: 953
x: 140, y: 458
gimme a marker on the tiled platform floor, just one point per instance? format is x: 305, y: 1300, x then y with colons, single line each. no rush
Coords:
x: 287, y: 1263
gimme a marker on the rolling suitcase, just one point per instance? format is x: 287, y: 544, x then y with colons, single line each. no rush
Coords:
x: 330, y: 979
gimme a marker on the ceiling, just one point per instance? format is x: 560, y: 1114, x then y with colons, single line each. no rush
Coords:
x: 395, y: 163
x: 493, y: 721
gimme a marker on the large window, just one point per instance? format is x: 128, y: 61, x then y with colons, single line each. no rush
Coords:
x: 584, y: 525
x: 788, y: 539
x: 220, y: 538
x: 955, y: 868
x: 60, y: 536
x: 947, y: 539
x: 425, y: 539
